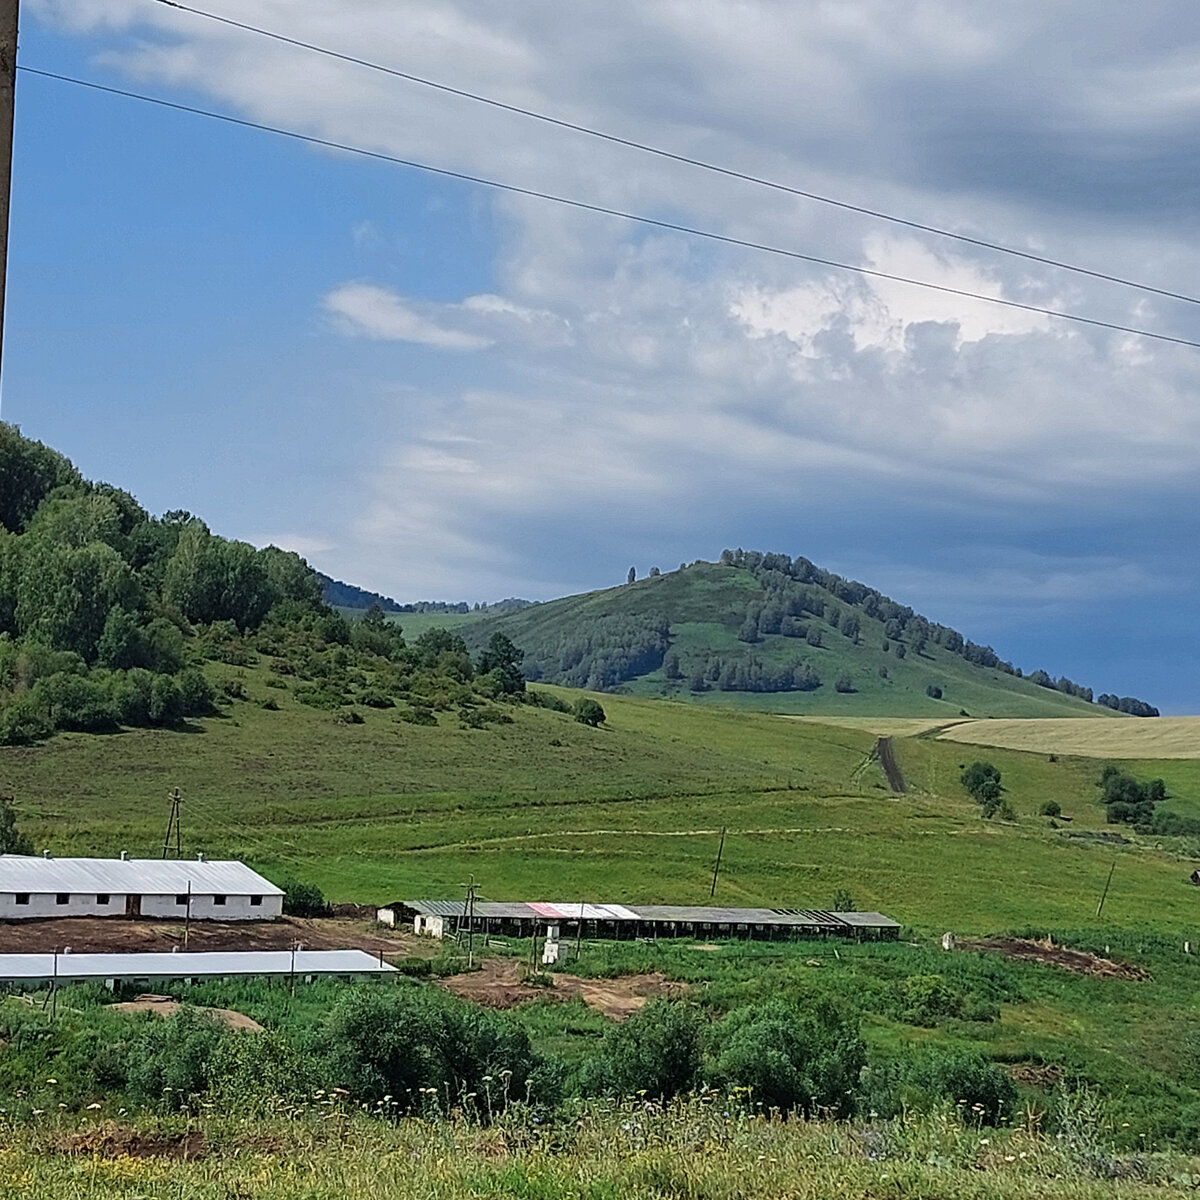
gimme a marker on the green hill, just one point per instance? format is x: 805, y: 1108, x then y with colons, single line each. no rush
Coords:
x: 764, y: 631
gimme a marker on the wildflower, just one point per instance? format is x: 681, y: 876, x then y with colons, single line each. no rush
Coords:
x: 93, y: 1107
x: 1011, y: 1158
x: 51, y: 1080
x: 985, y: 1141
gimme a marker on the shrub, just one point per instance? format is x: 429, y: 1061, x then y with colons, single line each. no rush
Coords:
x: 843, y: 683
x: 419, y: 714
x: 75, y: 702
x: 23, y: 723
x: 657, y: 1051
x: 1051, y: 808
x: 195, y: 693
x: 393, y: 1043
x: 926, y: 1000
x: 317, y: 697
x: 796, y: 1060
x: 982, y: 781
x: 546, y: 700
x: 373, y: 698
x: 589, y: 712
x: 933, y: 691
x: 302, y: 899
x: 169, y: 1061
x: 980, y: 1090
x: 166, y: 701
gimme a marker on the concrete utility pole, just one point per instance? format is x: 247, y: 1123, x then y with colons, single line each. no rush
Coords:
x: 9, y: 10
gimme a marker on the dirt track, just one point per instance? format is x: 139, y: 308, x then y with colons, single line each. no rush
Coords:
x: 891, y: 768
x: 97, y: 935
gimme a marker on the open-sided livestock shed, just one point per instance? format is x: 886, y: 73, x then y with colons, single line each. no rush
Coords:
x: 38, y: 970
x: 134, y: 887
x: 439, y: 918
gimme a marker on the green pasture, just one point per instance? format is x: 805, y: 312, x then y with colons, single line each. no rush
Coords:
x: 632, y: 811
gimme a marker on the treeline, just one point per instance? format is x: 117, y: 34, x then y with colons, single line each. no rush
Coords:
x: 346, y: 595
x: 601, y: 652
x: 108, y: 615
x: 715, y: 672
x: 779, y: 574
x: 100, y: 603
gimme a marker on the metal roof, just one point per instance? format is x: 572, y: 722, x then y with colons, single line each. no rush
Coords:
x: 16, y: 967
x: 131, y: 876
x: 792, y: 918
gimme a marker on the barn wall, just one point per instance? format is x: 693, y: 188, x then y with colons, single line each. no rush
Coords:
x: 45, y: 904
x: 203, y: 908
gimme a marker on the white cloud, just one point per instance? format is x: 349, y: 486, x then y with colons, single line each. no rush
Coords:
x: 364, y: 310
x: 639, y: 381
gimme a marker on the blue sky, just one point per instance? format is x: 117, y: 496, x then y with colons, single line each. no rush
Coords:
x: 436, y: 391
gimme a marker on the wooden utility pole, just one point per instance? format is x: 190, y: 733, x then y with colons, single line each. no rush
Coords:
x: 720, y: 850
x: 471, y: 924
x: 9, y: 10
x: 1104, y: 894
x: 176, y: 799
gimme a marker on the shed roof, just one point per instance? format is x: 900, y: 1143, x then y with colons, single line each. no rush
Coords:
x: 792, y: 918
x: 131, y: 876
x: 17, y: 967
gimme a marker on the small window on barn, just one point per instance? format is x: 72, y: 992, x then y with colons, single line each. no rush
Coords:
x: 22, y: 897
x: 62, y: 898
x: 218, y: 899
x: 101, y: 897
x: 181, y: 898
x: 255, y: 901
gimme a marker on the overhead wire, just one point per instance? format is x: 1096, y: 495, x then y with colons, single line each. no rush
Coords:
x: 604, y: 210
x: 676, y: 156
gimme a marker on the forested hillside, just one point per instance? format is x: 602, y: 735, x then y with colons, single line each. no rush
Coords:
x: 767, y: 630
x: 108, y: 617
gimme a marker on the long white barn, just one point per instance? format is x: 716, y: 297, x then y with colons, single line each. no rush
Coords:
x: 134, y: 887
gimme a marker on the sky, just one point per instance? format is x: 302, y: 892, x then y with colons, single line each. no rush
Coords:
x: 436, y: 390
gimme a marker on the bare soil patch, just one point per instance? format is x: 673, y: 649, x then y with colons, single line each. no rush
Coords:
x: 100, y: 935
x: 1081, y: 962
x: 111, y: 1140
x: 1038, y: 1075
x: 499, y: 984
x: 164, y: 1006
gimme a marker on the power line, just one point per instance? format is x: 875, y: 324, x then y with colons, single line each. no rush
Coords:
x: 674, y: 156
x: 585, y: 206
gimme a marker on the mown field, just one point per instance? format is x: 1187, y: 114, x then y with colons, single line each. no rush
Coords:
x: 632, y: 811
x: 1160, y: 738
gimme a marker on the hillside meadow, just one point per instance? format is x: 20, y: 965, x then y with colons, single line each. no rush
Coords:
x: 631, y: 811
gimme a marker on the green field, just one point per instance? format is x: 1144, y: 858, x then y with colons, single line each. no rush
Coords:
x: 546, y: 807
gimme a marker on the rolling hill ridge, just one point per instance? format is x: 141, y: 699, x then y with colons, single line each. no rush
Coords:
x: 768, y: 631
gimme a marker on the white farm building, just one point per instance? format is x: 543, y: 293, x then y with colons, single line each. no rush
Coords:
x: 134, y: 887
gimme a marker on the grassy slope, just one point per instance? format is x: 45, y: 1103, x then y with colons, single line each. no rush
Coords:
x: 706, y: 604
x: 547, y: 807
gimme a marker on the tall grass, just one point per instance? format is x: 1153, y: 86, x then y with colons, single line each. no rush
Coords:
x: 713, y: 1148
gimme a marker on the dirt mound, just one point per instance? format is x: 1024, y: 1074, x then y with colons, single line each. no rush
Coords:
x: 499, y: 983
x: 164, y: 1006
x: 1081, y: 962
x: 111, y: 1140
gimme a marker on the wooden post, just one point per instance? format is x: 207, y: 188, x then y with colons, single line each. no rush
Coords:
x: 720, y: 850
x: 187, y: 916
x: 1104, y: 894
x: 9, y: 22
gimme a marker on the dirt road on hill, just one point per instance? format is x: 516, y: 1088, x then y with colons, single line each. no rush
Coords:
x: 891, y: 768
